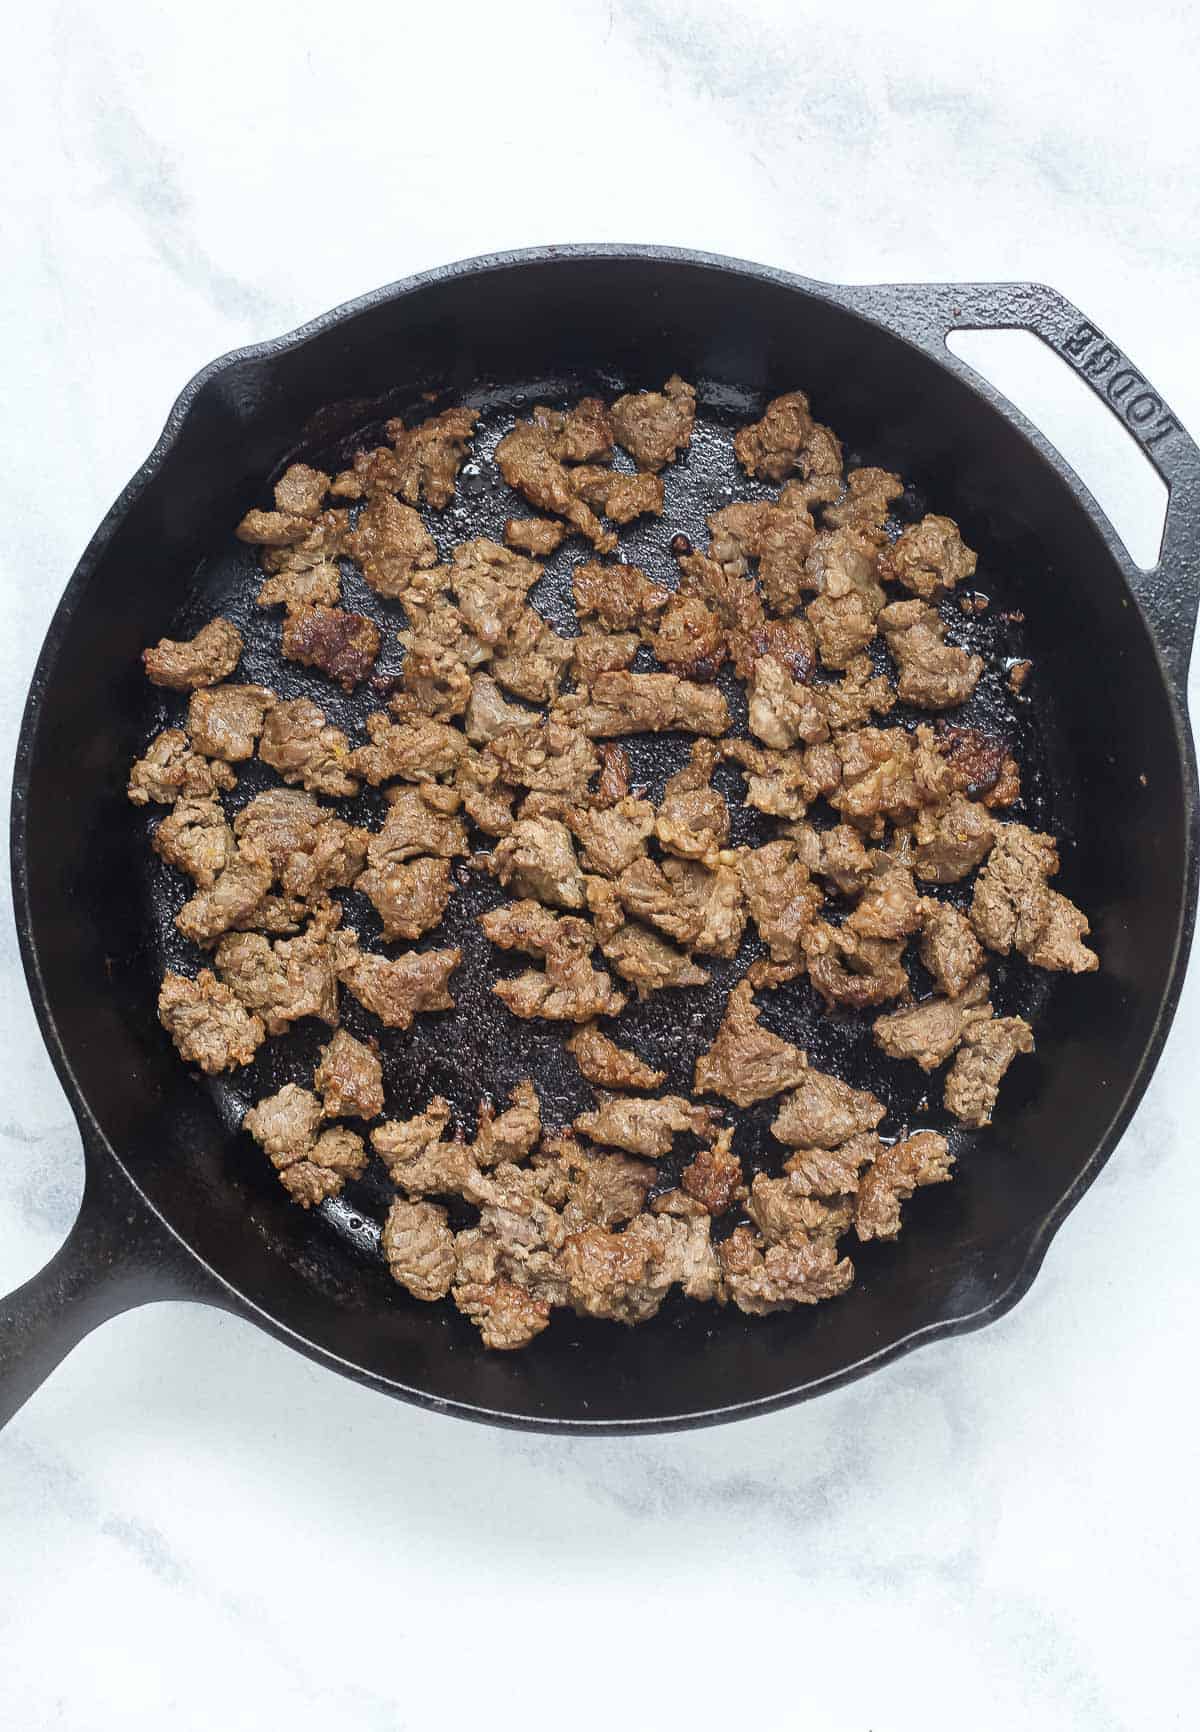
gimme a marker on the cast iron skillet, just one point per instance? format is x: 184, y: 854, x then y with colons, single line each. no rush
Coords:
x: 177, y: 1205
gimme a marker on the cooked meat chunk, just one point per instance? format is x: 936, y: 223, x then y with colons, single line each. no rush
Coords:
x: 783, y: 1276
x: 409, y: 899
x: 770, y: 448
x: 693, y: 819
x: 933, y: 674
x: 490, y: 584
x: 619, y: 596
x: 305, y: 573
x: 489, y: 713
x: 782, y: 711
x: 824, y: 1112
x: 948, y: 947
x: 196, y: 838
x: 843, y: 564
x: 951, y: 840
x: 343, y: 645
x: 621, y: 1276
x: 689, y: 639
x: 552, y: 758
x: 413, y: 826
x: 414, y: 749
x: 285, y: 1125
x: 1014, y: 908
x: 987, y: 1050
x: 430, y: 455
x: 612, y: 838
x: 714, y: 1178
x: 644, y: 1127
x: 889, y: 906
x: 979, y: 764
x: 532, y: 660
x: 171, y: 770
x: 273, y: 528
x: 285, y: 980
x: 655, y: 426
x: 865, y: 503
x: 603, y: 1062
x: 782, y: 898
x: 208, y: 1024
x: 746, y: 1062
x: 397, y: 990
x: 778, y: 534
x: 583, y: 434
x: 419, y: 1248
x: 786, y: 1215
x: 417, y: 1158
x: 309, y: 849
x: 922, y: 1159
x: 734, y: 600
x: 784, y: 783
x: 837, y: 855
x: 930, y: 557
x: 390, y: 543
x: 928, y: 1033
x: 605, y: 1188
x: 538, y: 537
x: 311, y: 1167
x: 596, y: 652
x: 537, y: 858
x: 229, y: 900
x: 852, y: 971
x: 300, y: 490
x: 528, y: 926
x: 528, y: 462
x: 226, y: 722
x: 625, y: 703
x: 298, y: 743
x: 647, y: 961
x: 349, y: 1078
x: 857, y: 696
x: 570, y: 989
x: 486, y: 798
x: 887, y: 773
x: 511, y: 1134
x: 203, y: 660
x: 506, y: 1316
x: 832, y: 1172
x: 337, y: 1155
x: 792, y: 642
x: 621, y: 497
x: 699, y: 908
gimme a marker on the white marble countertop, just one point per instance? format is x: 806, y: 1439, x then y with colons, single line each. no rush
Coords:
x: 202, y: 1530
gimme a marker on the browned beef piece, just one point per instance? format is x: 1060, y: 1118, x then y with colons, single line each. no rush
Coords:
x: 509, y: 1135
x: 865, y: 503
x: 701, y: 909
x: 430, y: 455
x: 273, y: 528
x: 735, y: 600
x: 612, y: 837
x: 786, y: 1215
x: 973, y: 1081
x: 596, y: 651
x: 297, y: 741
x: 746, y: 1062
x: 778, y: 534
x: 644, y: 1127
x: 783, y: 1276
x: 537, y: 858
x: 349, y: 1078
x: 537, y: 536
x: 928, y: 1033
x: 414, y: 826
x: 1014, y: 908
x: 337, y: 1155
x: 930, y: 558
x: 532, y: 660
x: 435, y: 681
x: 310, y: 849
x: 390, y: 543
x: 288, y: 979
x: 621, y: 1276
x: 285, y: 1125
x: 771, y: 448
x: 225, y: 722
x: 208, y: 1024
x: 311, y: 1166
x: 784, y: 783
x: 552, y: 758
x: 922, y: 1159
x: 851, y: 971
x: 342, y: 645
x: 889, y: 906
x: 837, y: 855
x: 843, y: 564
x: 414, y: 749
x: 934, y: 675
x: 488, y: 713
x: 490, y: 584
x: 487, y: 799
x: 951, y: 840
x: 506, y: 1316
x: 396, y: 990
x: 619, y: 596
x: 417, y: 1158
x: 203, y: 660
x: 782, y: 711
x: 948, y: 947
x: 410, y: 899
x: 887, y: 773
x: 857, y: 696
x: 419, y: 1248
x: 582, y: 434
x: 782, y: 898
x: 621, y: 497
x: 570, y: 989
x: 714, y: 1178
x: 689, y: 639
x: 824, y: 1112
x: 528, y: 926
x: 693, y: 819
x: 196, y: 838
x: 647, y: 961
x: 792, y: 642
x: 301, y: 490
x: 627, y: 703
x: 655, y: 426
x: 832, y: 1172
x: 979, y: 764
x: 602, y: 1061
x: 229, y: 900
x: 603, y: 1188
x: 304, y: 573
x: 528, y: 462
x: 171, y: 770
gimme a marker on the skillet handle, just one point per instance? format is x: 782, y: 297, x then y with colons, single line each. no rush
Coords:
x: 1169, y: 593
x: 116, y: 1256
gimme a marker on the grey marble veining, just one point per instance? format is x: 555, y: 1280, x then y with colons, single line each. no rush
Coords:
x: 198, y: 1527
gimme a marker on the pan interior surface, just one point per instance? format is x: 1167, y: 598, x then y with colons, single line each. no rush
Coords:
x: 1095, y: 740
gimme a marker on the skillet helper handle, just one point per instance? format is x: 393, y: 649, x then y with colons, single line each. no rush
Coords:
x: 116, y: 1256
x: 1169, y: 593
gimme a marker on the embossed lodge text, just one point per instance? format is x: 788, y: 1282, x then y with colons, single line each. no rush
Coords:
x: 1096, y: 358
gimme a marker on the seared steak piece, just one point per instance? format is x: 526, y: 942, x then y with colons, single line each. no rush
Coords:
x: 419, y: 1248
x: 297, y: 741
x: 349, y: 1078
x: 655, y: 426
x: 602, y: 1061
x: 203, y: 660
x: 343, y: 645
x: 823, y: 1113
x: 1014, y: 908
x: 746, y: 1062
x: 930, y: 557
x: 987, y: 1051
x: 922, y: 1159
x: 208, y: 1024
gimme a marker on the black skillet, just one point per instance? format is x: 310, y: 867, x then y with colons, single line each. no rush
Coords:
x: 178, y: 1205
